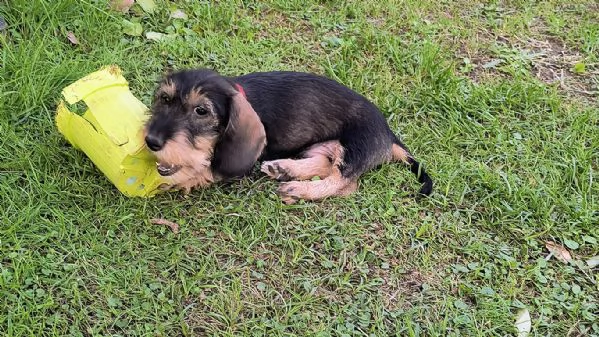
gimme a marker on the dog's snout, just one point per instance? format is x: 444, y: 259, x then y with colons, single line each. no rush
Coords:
x: 154, y: 143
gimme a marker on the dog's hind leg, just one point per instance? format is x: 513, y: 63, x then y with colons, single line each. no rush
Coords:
x: 355, y: 156
x: 316, y: 161
x: 333, y: 185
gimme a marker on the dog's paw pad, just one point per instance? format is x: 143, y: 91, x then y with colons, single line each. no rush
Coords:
x: 289, y: 192
x: 289, y: 200
x: 275, y: 171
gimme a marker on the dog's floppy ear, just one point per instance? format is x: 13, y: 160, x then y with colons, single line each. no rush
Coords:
x: 243, y: 140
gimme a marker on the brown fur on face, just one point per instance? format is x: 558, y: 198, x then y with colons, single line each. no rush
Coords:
x: 168, y: 88
x: 181, y: 151
x: 196, y: 98
x: 194, y: 160
x: 189, y: 178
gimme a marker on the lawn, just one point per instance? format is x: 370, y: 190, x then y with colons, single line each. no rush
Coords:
x: 498, y: 99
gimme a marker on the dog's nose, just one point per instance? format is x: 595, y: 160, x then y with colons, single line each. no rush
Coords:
x: 154, y: 143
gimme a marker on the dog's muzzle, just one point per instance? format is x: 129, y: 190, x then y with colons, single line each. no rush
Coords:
x: 166, y: 170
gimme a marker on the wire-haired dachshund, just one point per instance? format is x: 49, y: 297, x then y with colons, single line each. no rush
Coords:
x: 205, y: 127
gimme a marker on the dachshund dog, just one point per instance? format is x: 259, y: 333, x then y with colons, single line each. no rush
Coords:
x: 311, y: 133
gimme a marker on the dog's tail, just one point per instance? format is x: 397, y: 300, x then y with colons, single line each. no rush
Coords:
x: 400, y: 153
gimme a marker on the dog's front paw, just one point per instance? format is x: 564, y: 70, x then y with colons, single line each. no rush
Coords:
x: 165, y: 187
x: 290, y: 192
x: 275, y: 170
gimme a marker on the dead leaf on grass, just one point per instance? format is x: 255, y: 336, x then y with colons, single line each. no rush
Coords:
x: 132, y: 28
x: 72, y: 38
x: 121, y: 5
x: 178, y: 14
x: 147, y: 5
x: 523, y: 322
x: 492, y: 64
x: 154, y: 36
x: 593, y: 261
x: 172, y: 225
x: 558, y: 251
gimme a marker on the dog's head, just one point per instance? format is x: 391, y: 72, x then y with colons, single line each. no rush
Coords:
x: 201, y: 121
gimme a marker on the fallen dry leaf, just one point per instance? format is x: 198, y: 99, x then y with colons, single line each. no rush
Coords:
x: 178, y: 14
x: 154, y: 36
x: 173, y: 226
x: 147, y: 5
x: 121, y: 5
x: 132, y: 28
x: 71, y: 36
x: 558, y: 251
x: 593, y: 261
x: 523, y: 323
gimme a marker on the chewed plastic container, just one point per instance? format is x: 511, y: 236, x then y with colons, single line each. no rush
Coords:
x: 110, y: 131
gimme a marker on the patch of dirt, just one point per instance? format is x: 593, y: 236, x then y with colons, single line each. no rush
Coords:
x: 479, y: 58
x: 396, y: 291
x: 228, y: 302
x: 275, y: 21
x: 555, y: 62
x: 397, y: 288
x: 546, y: 57
x: 296, y: 29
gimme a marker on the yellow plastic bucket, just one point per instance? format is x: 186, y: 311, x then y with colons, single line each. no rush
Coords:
x: 110, y: 132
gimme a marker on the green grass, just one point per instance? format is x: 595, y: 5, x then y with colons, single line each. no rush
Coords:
x: 512, y: 147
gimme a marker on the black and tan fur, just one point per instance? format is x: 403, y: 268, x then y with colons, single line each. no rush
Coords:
x: 206, y: 128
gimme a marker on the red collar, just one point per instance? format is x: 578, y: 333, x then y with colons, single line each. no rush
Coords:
x: 240, y: 89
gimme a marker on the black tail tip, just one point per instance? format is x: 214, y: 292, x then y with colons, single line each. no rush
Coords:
x: 427, y: 187
x: 423, y: 177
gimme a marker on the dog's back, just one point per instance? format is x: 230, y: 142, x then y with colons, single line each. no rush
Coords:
x: 300, y: 109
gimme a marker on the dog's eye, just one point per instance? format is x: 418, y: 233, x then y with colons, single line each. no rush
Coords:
x: 200, y: 111
x: 165, y: 98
